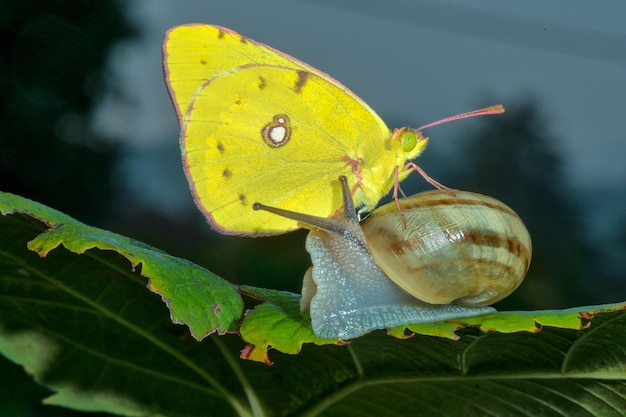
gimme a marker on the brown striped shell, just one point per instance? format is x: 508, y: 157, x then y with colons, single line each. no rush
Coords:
x: 462, y: 248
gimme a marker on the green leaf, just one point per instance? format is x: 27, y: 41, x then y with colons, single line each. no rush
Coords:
x: 85, y: 327
x: 278, y: 323
x: 576, y: 318
x: 190, y: 292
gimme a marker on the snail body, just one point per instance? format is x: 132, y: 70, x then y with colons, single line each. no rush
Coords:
x: 458, y: 253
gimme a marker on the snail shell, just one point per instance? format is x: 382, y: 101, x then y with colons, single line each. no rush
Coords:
x: 466, y: 248
x: 347, y: 292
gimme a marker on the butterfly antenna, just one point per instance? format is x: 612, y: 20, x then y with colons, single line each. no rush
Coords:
x: 497, y: 109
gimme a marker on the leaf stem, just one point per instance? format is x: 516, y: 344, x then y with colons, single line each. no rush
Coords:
x: 235, y: 365
x: 357, y: 363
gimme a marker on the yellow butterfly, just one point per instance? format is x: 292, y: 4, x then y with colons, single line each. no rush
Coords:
x: 258, y: 125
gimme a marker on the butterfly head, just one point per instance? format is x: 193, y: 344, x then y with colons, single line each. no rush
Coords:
x: 410, y: 143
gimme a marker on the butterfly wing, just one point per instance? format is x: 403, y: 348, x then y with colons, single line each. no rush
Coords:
x: 200, y: 60
x: 279, y: 136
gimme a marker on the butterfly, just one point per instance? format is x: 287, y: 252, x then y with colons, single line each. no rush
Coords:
x: 258, y: 125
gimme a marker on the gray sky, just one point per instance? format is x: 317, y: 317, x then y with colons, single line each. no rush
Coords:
x: 413, y: 62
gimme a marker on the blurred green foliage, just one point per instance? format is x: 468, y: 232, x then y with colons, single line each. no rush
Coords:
x: 51, y: 74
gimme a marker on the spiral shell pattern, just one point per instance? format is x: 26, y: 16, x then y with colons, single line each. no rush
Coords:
x: 462, y: 248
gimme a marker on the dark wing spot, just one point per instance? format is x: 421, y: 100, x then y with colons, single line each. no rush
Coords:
x: 243, y: 200
x: 301, y: 81
x: 227, y: 173
x: 220, y: 147
x: 262, y: 83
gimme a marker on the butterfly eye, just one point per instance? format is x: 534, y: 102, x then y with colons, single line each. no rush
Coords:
x: 408, y: 141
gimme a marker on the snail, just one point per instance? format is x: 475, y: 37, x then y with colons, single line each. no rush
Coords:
x: 458, y: 253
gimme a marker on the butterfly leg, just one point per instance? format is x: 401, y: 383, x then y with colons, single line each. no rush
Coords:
x: 355, y: 164
x: 396, y: 189
x: 413, y: 167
